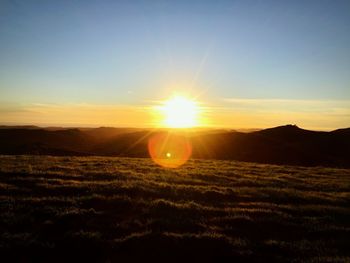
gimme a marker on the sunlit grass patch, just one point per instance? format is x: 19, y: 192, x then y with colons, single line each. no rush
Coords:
x: 114, y: 207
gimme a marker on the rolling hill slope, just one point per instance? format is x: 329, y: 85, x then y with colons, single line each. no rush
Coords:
x: 280, y: 145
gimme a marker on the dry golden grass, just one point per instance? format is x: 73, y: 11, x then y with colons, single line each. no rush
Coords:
x: 100, y: 209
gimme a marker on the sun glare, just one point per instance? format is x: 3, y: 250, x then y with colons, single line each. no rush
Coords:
x: 180, y: 112
x: 169, y: 149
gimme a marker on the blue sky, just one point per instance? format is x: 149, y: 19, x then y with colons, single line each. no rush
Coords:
x: 136, y: 52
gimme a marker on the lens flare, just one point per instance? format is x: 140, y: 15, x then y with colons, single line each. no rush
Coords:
x: 169, y: 150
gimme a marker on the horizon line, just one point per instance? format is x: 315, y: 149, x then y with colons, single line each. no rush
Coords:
x: 91, y: 126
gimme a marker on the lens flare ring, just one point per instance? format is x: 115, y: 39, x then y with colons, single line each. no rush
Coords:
x: 169, y: 150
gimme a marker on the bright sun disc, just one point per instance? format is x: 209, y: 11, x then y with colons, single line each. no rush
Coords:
x: 180, y: 112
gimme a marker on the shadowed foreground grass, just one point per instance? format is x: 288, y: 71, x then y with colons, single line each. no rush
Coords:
x: 96, y: 209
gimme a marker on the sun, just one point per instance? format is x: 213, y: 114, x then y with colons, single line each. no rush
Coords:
x: 180, y: 112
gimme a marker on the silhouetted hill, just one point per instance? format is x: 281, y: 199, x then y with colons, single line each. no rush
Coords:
x: 19, y: 127
x: 106, y: 133
x: 345, y: 132
x: 133, y: 144
x: 41, y: 141
x: 280, y: 145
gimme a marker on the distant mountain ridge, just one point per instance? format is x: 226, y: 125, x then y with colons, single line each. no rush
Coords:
x: 287, y: 144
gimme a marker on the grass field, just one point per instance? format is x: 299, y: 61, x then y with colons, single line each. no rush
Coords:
x: 98, y: 209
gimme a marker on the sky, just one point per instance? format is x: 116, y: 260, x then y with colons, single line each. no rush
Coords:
x: 250, y: 64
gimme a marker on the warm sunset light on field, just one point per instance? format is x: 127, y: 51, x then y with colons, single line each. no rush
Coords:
x: 174, y: 130
x: 180, y: 112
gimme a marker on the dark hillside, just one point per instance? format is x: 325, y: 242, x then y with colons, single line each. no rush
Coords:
x: 40, y: 141
x: 280, y: 145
